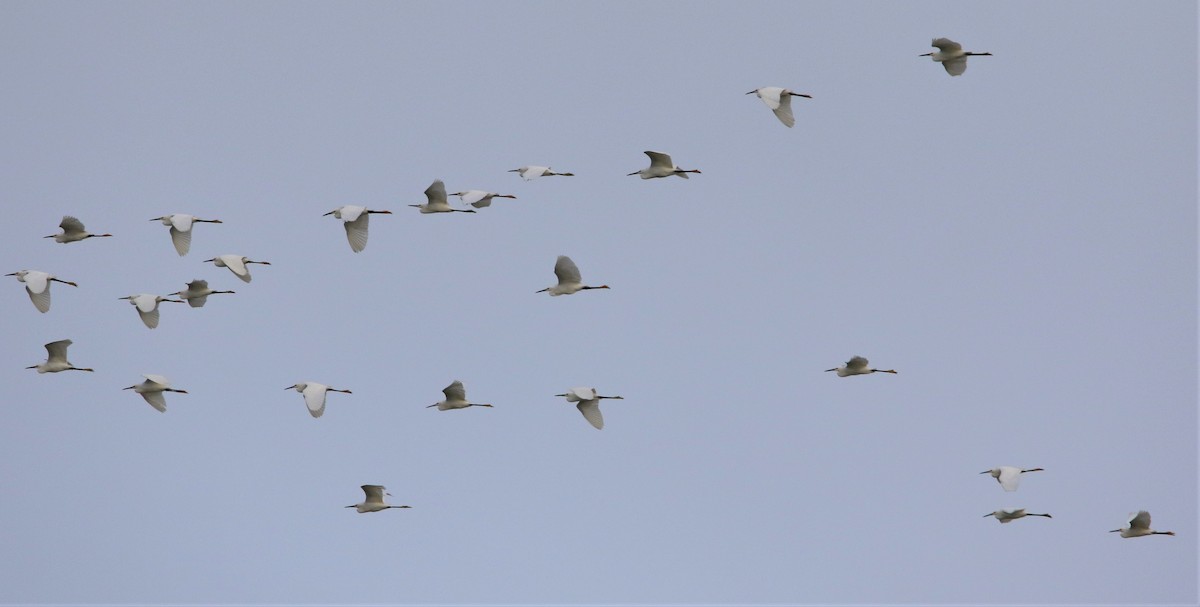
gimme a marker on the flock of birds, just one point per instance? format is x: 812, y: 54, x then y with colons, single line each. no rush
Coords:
x: 356, y: 219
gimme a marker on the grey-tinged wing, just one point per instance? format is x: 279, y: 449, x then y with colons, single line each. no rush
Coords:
x: 455, y: 391
x: 156, y: 400
x: 566, y: 270
x: 57, y: 350
x: 356, y: 232
x: 591, y: 412
x: 955, y: 67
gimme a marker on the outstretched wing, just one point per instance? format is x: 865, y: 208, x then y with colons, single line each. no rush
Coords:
x: 356, y: 232
x: 566, y: 270
x: 591, y: 412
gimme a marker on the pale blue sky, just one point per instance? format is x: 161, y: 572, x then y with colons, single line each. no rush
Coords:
x: 1019, y: 242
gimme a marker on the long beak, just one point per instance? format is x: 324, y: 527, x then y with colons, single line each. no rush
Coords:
x: 629, y: 175
x: 986, y: 472
x: 926, y: 55
x: 833, y: 369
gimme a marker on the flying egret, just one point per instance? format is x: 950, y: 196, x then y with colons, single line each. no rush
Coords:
x: 435, y: 195
x: 1139, y: 525
x: 661, y: 166
x: 533, y: 172
x: 1009, y: 476
x: 479, y: 198
x: 197, y: 293
x: 780, y: 101
x: 1008, y: 515
x: 456, y: 398
x: 569, y: 280
x: 37, y: 284
x: 152, y: 390
x: 588, y: 403
x: 56, y: 358
x: 236, y: 264
x: 951, y: 56
x: 356, y: 220
x: 857, y: 366
x: 181, y: 229
x: 314, y: 396
x: 147, y: 306
x: 72, y: 231
x: 374, y: 501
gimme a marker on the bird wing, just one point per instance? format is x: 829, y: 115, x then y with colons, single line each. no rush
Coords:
x: 237, y: 266
x: 356, y: 232
x: 436, y: 192
x: 71, y: 225
x: 770, y: 95
x: 314, y: 398
x: 955, y: 67
x: 197, y: 301
x: 57, y: 350
x: 566, y: 270
x: 473, y: 196
x: 1141, y: 520
x: 783, y: 111
x: 659, y: 159
x: 38, y: 286
x: 350, y: 212
x: 145, y: 303
x: 455, y: 391
x: 856, y: 363
x: 1009, y: 477
x: 159, y: 379
x: 591, y: 412
x: 374, y: 493
x: 584, y: 393
x: 946, y: 45
x: 149, y: 318
x: 156, y: 400
x: 533, y: 172
x: 182, y: 239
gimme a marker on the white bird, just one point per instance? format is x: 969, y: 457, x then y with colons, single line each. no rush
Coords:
x: 569, y: 280
x: 314, y: 396
x: 1009, y: 476
x: 533, y: 172
x: 780, y: 101
x: 147, y: 306
x: 236, y: 264
x: 1008, y: 515
x: 857, y: 366
x: 588, y: 403
x: 480, y: 198
x: 1139, y: 525
x: 435, y: 195
x: 37, y: 284
x: 356, y: 219
x: 374, y: 501
x: 56, y: 358
x: 951, y: 56
x: 661, y: 166
x: 197, y: 293
x: 181, y: 229
x: 152, y: 390
x: 456, y: 398
x: 72, y: 231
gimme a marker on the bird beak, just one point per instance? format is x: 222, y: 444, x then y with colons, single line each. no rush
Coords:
x: 986, y: 472
x: 629, y: 175
x: 752, y: 92
x: 926, y: 55
x: 833, y: 369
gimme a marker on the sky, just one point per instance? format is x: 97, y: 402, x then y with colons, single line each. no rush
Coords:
x: 1019, y: 243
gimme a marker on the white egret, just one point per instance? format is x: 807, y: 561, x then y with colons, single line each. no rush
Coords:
x: 152, y: 390
x: 37, y: 284
x: 236, y: 264
x: 181, y: 229
x: 1139, y: 525
x: 1009, y: 476
x: 435, y: 195
x: 533, y: 172
x: 374, y: 501
x: 569, y: 280
x: 951, y: 56
x: 1008, y: 515
x: 356, y: 220
x: 314, y: 396
x: 197, y: 293
x: 480, y: 198
x: 588, y: 403
x: 780, y: 101
x: 857, y: 366
x: 56, y: 358
x: 72, y: 231
x: 147, y: 306
x: 661, y: 166
x: 456, y: 398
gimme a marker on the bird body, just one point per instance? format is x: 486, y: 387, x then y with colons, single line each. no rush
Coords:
x: 314, y: 396
x: 569, y: 279
x: 56, y: 358
x: 456, y: 398
x: 951, y: 55
x: 236, y: 264
x: 588, y: 403
x: 152, y: 390
x: 73, y: 231
x: 356, y: 220
x: 661, y: 166
x: 780, y: 101
x: 197, y: 293
x: 181, y: 229
x: 857, y: 366
x: 533, y: 172
x: 1008, y: 515
x: 435, y: 196
x: 374, y: 501
x: 480, y: 198
x: 147, y: 306
x: 1009, y: 476
x: 1139, y: 525
x: 37, y: 285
